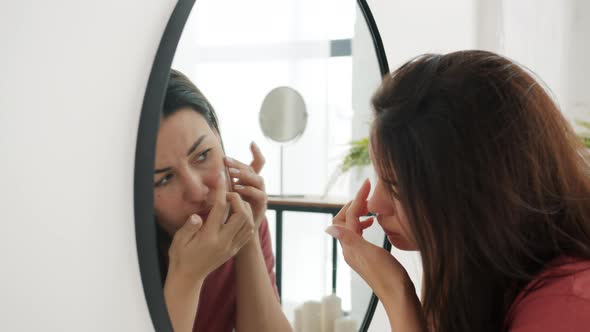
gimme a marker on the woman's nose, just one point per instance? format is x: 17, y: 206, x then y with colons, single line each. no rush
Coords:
x: 195, y: 189
x: 379, y: 202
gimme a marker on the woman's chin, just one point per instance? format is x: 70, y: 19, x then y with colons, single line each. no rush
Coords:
x: 400, y: 242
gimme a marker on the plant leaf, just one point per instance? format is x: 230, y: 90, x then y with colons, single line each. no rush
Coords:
x: 358, y: 155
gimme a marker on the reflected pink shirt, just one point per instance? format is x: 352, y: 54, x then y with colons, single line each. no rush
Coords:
x: 217, y: 302
x: 560, y: 304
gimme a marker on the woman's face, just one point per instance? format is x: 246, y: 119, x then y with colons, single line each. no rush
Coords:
x: 189, y: 161
x: 391, y: 216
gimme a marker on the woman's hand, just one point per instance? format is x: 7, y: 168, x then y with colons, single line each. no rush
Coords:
x: 249, y: 184
x: 374, y: 264
x: 199, y: 247
x: 384, y: 274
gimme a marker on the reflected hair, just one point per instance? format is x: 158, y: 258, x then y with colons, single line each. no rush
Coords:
x: 181, y: 93
x: 492, y: 178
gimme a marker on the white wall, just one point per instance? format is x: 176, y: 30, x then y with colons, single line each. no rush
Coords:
x: 576, y: 100
x: 73, y: 76
x: 547, y: 36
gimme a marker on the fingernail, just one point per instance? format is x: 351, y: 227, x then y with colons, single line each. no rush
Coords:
x: 237, y: 186
x: 334, y: 232
x: 229, y: 159
x: 255, y: 145
x: 195, y: 220
x: 222, y: 175
x: 234, y: 170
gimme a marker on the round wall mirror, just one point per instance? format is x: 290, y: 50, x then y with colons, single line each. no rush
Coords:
x: 228, y: 61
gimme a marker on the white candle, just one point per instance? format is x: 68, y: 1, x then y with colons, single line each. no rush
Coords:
x: 297, y: 324
x: 345, y: 324
x: 311, y: 317
x: 331, y: 310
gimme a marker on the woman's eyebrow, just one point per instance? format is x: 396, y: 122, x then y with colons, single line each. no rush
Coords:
x: 195, y: 145
x: 188, y: 153
x: 161, y: 170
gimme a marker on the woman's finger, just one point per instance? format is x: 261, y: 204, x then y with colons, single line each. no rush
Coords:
x: 365, y: 210
x: 345, y: 236
x: 358, y: 206
x: 238, y: 216
x: 244, y: 235
x: 247, y: 178
x: 340, y: 218
x: 186, y: 233
x: 220, y: 210
x: 258, y: 160
x: 237, y: 204
x: 367, y: 223
x: 251, y: 194
x: 236, y: 164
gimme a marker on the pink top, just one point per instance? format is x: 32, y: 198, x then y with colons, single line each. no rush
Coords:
x: 217, y: 302
x: 560, y: 304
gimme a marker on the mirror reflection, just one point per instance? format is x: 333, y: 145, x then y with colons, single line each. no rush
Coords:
x: 216, y: 254
x: 210, y: 147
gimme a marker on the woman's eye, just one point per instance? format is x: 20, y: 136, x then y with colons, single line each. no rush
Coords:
x: 202, y: 156
x: 163, y: 181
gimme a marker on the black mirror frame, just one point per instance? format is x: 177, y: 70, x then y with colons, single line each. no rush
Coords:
x: 145, y: 224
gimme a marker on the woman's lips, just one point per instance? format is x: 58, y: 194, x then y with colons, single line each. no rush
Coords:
x: 389, y: 233
x: 204, y: 214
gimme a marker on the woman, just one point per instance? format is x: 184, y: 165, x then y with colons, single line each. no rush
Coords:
x: 217, y: 275
x: 478, y: 171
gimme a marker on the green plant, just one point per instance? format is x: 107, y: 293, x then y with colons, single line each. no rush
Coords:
x: 357, y: 156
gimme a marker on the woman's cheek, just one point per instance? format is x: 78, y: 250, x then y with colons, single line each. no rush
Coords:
x: 212, y: 178
x: 164, y: 205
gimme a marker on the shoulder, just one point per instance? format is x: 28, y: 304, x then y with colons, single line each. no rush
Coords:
x: 558, y: 300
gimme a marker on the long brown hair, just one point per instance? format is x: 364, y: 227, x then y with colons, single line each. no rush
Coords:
x: 493, y: 180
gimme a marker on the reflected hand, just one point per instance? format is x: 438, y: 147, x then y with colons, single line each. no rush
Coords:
x: 199, y: 247
x: 373, y: 263
x: 249, y: 184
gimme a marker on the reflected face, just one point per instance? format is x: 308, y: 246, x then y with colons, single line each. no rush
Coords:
x: 189, y: 159
x: 391, y: 216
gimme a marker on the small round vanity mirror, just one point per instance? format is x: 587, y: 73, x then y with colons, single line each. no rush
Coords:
x: 283, y: 115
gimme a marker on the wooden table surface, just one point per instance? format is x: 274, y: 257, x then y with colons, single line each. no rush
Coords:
x: 307, y: 201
